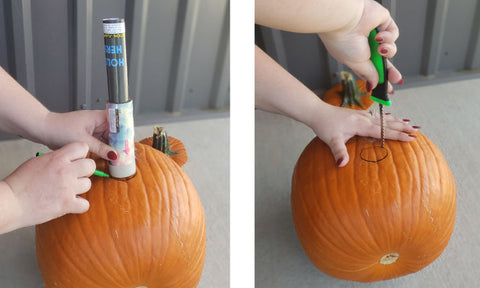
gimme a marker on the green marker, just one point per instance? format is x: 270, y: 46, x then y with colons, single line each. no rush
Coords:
x: 96, y: 173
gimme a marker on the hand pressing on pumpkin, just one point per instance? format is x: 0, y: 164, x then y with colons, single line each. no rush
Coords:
x: 278, y: 91
x: 46, y: 187
x: 336, y: 125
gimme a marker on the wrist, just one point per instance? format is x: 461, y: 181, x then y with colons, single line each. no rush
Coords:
x: 44, y: 134
x: 314, y: 113
x: 11, y: 212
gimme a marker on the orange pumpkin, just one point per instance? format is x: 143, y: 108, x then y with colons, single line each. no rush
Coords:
x: 371, y: 221
x: 349, y: 93
x: 148, y: 231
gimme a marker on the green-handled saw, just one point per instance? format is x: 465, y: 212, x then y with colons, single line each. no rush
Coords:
x: 379, y: 93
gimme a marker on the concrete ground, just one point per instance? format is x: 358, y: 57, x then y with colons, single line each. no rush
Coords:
x: 207, y: 144
x: 448, y: 114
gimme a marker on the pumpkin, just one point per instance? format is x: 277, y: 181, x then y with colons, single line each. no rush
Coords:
x: 147, y: 231
x: 349, y: 93
x: 377, y: 219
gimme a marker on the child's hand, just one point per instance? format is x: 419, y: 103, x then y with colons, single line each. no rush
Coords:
x: 335, y: 126
x: 47, y: 187
x: 349, y: 45
x: 89, y: 126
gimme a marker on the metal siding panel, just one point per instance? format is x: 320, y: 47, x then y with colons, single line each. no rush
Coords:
x: 23, y: 43
x: 221, y: 80
x: 160, y: 27
x: 182, y: 52
x: 472, y: 60
x: 4, y: 28
x: 434, y: 36
x: 410, y: 42
x: 307, y: 59
x: 458, y: 27
x: 83, y: 54
x: 208, y: 34
x: 274, y: 45
x: 53, y: 53
x: 136, y: 51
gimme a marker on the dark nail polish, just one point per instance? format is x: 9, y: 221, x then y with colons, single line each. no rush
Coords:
x: 369, y: 86
x: 384, y: 50
x: 406, y: 120
x: 416, y: 127
x: 388, y: 113
x: 112, y: 155
x: 413, y: 136
x: 400, y: 82
x: 378, y: 39
x: 339, y: 161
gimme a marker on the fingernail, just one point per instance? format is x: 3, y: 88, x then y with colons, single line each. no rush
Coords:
x: 406, y: 120
x: 416, y: 127
x: 388, y: 113
x: 384, y: 50
x: 378, y: 39
x: 413, y: 136
x: 400, y: 82
x: 369, y: 86
x: 339, y: 161
x: 393, y: 92
x: 112, y: 155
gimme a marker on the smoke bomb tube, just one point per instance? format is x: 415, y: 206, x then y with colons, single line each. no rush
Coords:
x: 120, y: 106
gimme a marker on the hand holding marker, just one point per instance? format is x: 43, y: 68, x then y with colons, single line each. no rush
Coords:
x: 96, y: 173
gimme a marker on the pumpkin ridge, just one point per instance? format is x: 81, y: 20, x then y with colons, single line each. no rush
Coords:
x: 107, y: 223
x: 413, y: 169
x: 157, y: 188
x: 371, y: 145
x: 330, y: 226
x: 354, y: 238
x: 68, y: 259
x: 166, y: 170
x: 442, y: 183
x: 421, y: 193
x: 100, y: 266
x: 72, y: 264
x: 315, y: 206
x: 142, y: 270
x: 353, y: 180
x: 165, y: 200
x: 396, y: 158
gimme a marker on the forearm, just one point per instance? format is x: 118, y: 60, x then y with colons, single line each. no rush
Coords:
x: 308, y: 16
x: 9, y: 209
x: 20, y: 112
x: 277, y: 91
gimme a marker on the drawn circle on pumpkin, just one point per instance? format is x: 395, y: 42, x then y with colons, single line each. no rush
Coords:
x: 374, y: 154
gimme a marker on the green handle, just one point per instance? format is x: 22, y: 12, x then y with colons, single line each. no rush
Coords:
x: 379, y: 93
x: 375, y: 57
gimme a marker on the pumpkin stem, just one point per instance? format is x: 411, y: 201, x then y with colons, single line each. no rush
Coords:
x: 160, y: 141
x: 351, y: 94
x: 389, y: 258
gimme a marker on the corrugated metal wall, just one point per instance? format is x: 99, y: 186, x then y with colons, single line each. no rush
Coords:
x: 439, y: 41
x: 178, y: 53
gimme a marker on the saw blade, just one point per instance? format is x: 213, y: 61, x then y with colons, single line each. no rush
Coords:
x: 382, y: 125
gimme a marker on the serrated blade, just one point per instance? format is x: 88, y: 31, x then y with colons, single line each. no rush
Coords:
x: 382, y: 125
